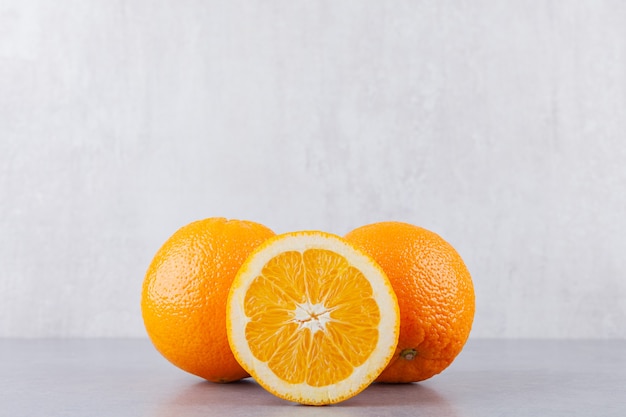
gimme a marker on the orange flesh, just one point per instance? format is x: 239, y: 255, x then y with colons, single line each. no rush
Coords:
x: 313, y: 318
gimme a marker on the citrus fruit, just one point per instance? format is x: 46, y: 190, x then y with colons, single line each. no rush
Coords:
x: 184, y: 293
x: 311, y: 318
x: 435, y: 294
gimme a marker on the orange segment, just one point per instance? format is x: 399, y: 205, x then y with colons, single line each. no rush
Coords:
x: 311, y: 318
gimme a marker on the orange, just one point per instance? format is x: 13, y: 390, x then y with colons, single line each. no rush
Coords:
x: 311, y: 318
x: 435, y: 294
x: 183, y: 300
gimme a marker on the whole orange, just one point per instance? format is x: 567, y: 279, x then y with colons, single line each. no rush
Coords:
x: 435, y: 295
x: 183, y: 300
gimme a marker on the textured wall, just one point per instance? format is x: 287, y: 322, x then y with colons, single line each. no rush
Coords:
x: 498, y: 125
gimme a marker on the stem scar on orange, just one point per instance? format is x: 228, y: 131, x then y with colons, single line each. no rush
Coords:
x: 183, y: 300
x: 435, y: 294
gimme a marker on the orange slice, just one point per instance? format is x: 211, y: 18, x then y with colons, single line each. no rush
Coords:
x: 311, y: 318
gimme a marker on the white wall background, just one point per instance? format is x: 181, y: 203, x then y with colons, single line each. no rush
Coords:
x: 499, y: 125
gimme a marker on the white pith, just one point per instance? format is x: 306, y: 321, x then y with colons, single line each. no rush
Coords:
x: 311, y: 316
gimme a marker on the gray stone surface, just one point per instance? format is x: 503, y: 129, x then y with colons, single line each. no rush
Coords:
x: 111, y: 377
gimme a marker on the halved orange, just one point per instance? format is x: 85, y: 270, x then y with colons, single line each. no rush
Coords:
x: 313, y: 319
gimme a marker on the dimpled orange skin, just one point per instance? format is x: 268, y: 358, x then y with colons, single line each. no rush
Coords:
x: 435, y: 295
x: 184, y: 294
